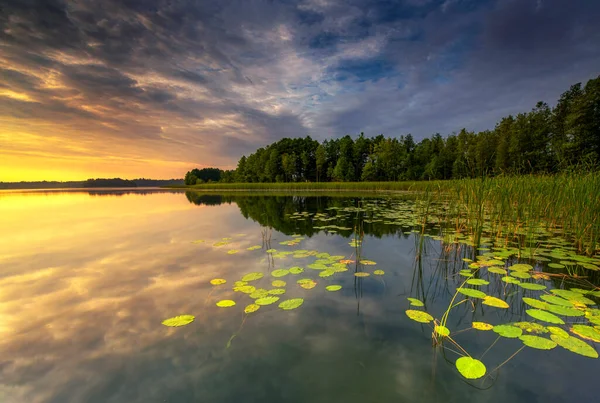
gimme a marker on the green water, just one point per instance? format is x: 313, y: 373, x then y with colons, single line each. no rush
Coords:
x: 86, y: 280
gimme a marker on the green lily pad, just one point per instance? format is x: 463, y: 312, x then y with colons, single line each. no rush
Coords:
x: 496, y: 270
x: 291, y: 304
x: 586, y: 332
x: 415, y: 302
x: 226, y: 303
x: 442, y: 330
x: 278, y: 283
x: 477, y: 281
x: 508, y: 331
x: 495, y: 302
x: 536, y: 303
x: 280, y: 272
x: 557, y: 331
x: 246, y: 289
x: 469, y: 292
x: 232, y: 251
x: 177, y: 321
x: 419, y: 316
x: 521, y: 267
x: 541, y: 343
x: 572, y: 296
x: 556, y: 265
x: 367, y: 262
x: 466, y: 273
x: 307, y: 283
x: 532, y: 286
x: 520, y: 274
x: 276, y: 291
x: 259, y: 293
x: 296, y: 270
x: 564, y: 310
x: 531, y: 327
x: 252, y: 276
x: 481, y: 326
x: 333, y: 287
x: 510, y: 280
x: 545, y: 316
x: 575, y: 345
x: 239, y: 283
x: 327, y: 273
x: 266, y: 300
x: 251, y: 308
x: 470, y: 368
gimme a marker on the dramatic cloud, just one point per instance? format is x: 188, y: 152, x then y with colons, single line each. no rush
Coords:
x: 154, y: 87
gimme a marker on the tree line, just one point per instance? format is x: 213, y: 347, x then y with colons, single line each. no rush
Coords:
x: 543, y: 140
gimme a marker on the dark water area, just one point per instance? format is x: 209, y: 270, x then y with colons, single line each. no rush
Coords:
x: 87, y: 278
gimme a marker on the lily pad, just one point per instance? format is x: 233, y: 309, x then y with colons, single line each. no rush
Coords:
x: 255, y: 247
x: 545, y: 316
x: 419, y: 316
x: 333, y: 287
x: 259, y: 293
x: 572, y: 296
x: 564, y: 310
x: 177, y: 321
x: 510, y: 280
x: 469, y: 292
x: 415, y: 302
x: 327, y: 273
x: 280, y: 272
x: 532, y: 286
x: 496, y: 270
x: 276, y: 291
x: 232, y: 251
x: 367, y: 262
x: 252, y: 276
x: 536, y: 303
x: 522, y: 267
x: 226, y: 303
x: 218, y: 281
x: 278, y: 283
x: 508, y: 331
x: 252, y: 308
x: 291, y: 303
x: 541, y: 343
x: 482, y: 326
x: 296, y: 270
x: 495, y: 302
x: 520, y: 274
x: 246, y: 289
x: 266, y: 300
x: 307, y: 283
x: 531, y: 327
x: 442, y: 330
x: 586, y: 332
x: 477, y: 281
x: 557, y: 331
x: 362, y: 274
x: 379, y: 272
x: 470, y: 368
x: 575, y: 345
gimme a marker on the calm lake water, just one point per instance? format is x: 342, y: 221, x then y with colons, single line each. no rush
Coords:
x: 87, y: 278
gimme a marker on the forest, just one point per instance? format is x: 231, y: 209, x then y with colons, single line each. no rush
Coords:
x: 544, y: 140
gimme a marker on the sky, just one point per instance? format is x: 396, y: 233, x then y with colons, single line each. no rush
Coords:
x: 154, y: 88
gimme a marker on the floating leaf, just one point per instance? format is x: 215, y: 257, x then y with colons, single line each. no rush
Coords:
x: 177, y: 321
x: 368, y: 262
x: 535, y: 303
x: 442, y: 330
x: 280, y: 272
x: 276, y: 291
x: 259, y: 293
x: 572, y: 296
x: 266, y: 300
x: 333, y: 287
x: 419, y: 316
x: 532, y: 286
x: 255, y: 247
x: 291, y: 304
x: 496, y: 270
x: 466, y: 273
x: 296, y: 270
x: 278, y: 283
x: 361, y: 274
x: 557, y: 331
x: 521, y: 267
x: 271, y: 250
x: 218, y: 281
x: 251, y: 308
x: 379, y: 272
x: 556, y: 265
x: 232, y: 251
x: 415, y: 302
x: 470, y: 368
x: 469, y: 292
x: 520, y: 274
x: 586, y: 332
x: 226, y: 303
x: 508, y: 331
x: 327, y: 273
x: 575, y: 345
x: 564, y: 310
x: 482, y: 326
x: 495, y: 302
x: 510, y: 280
x: 252, y: 276
x: 477, y: 281
x: 239, y: 283
x: 531, y: 327
x: 246, y: 289
x: 307, y: 283
x: 545, y: 316
x: 541, y: 343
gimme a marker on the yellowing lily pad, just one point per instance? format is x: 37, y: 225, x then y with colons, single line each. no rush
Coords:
x: 368, y: 262
x: 333, y: 287
x: 255, y: 247
x: 419, y: 316
x: 442, y: 330
x: 470, y: 368
x: 541, y: 343
x: 252, y: 308
x: 226, y: 303
x: 361, y: 274
x: 586, y: 332
x: 278, y: 283
x: 232, y: 251
x: 177, y: 321
x: 266, y: 300
x: 291, y: 303
x: 218, y: 281
x: 482, y: 326
x: 557, y: 331
x: 379, y: 272
x: 307, y: 283
x: 252, y: 276
x: 246, y: 289
x: 495, y: 302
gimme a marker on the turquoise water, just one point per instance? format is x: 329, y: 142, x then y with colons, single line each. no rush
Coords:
x: 87, y: 278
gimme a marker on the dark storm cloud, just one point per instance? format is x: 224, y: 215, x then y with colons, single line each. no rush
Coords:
x: 209, y: 80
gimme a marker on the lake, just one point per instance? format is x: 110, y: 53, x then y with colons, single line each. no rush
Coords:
x: 88, y: 277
